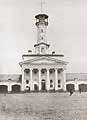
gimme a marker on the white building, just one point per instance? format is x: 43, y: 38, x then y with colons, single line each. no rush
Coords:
x: 41, y: 70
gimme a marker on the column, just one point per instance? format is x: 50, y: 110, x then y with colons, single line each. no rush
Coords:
x: 56, y: 79
x: 31, y: 80
x: 39, y: 70
x: 64, y: 79
x: 23, y: 81
x: 9, y: 88
x: 48, y: 81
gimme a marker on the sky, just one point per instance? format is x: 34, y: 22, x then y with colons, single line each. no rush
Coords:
x: 66, y: 33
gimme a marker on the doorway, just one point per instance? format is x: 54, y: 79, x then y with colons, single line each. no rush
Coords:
x: 43, y: 85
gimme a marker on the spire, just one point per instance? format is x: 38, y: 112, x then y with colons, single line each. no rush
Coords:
x: 43, y: 6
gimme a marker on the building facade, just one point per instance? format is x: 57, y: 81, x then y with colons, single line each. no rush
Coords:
x: 41, y: 70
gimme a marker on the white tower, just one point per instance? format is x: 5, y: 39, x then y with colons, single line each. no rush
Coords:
x: 41, y: 22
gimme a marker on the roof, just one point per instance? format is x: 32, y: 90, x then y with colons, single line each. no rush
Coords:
x: 11, y: 77
x: 79, y: 76
x: 43, y: 60
x: 41, y: 15
x: 41, y: 43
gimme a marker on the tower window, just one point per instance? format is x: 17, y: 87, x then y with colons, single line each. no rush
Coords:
x: 41, y: 38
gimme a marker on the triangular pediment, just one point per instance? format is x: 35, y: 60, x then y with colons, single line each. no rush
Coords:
x: 44, y: 60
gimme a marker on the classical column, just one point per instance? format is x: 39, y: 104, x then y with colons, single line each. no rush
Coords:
x: 39, y: 70
x: 48, y: 81
x: 23, y: 81
x: 64, y: 79
x: 31, y: 80
x: 56, y: 79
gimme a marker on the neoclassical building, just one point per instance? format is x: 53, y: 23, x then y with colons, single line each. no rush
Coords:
x: 41, y: 70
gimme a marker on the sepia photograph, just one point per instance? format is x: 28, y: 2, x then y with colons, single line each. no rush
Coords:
x: 43, y: 60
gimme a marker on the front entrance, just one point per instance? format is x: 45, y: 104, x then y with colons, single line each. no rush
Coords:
x: 43, y: 85
x: 35, y: 87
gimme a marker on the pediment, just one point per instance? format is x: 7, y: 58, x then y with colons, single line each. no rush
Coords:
x: 44, y: 60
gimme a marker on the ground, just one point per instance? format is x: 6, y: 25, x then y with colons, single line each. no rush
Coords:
x: 43, y: 106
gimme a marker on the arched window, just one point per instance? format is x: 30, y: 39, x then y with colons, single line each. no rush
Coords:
x: 51, y: 86
x: 43, y: 71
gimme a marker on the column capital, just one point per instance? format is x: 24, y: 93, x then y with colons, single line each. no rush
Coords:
x: 31, y: 68
x: 39, y: 68
x: 47, y: 69
x: 56, y: 68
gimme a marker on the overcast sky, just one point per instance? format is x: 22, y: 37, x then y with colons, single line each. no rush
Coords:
x: 66, y: 33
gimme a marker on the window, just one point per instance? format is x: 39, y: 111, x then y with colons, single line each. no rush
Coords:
x: 51, y: 81
x: 59, y: 81
x: 51, y: 86
x: 51, y: 71
x: 42, y: 50
x: 43, y: 71
x: 35, y: 71
x: 27, y: 81
x: 41, y: 38
x: 59, y: 86
x: 26, y: 71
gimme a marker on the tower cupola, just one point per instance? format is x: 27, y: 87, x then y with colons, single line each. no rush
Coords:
x: 41, y: 22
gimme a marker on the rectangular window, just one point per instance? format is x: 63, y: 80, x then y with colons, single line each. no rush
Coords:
x: 59, y: 81
x: 27, y: 81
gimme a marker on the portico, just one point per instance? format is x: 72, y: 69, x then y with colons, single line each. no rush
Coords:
x: 43, y: 79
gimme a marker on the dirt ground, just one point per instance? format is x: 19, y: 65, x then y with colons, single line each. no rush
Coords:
x: 43, y: 106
